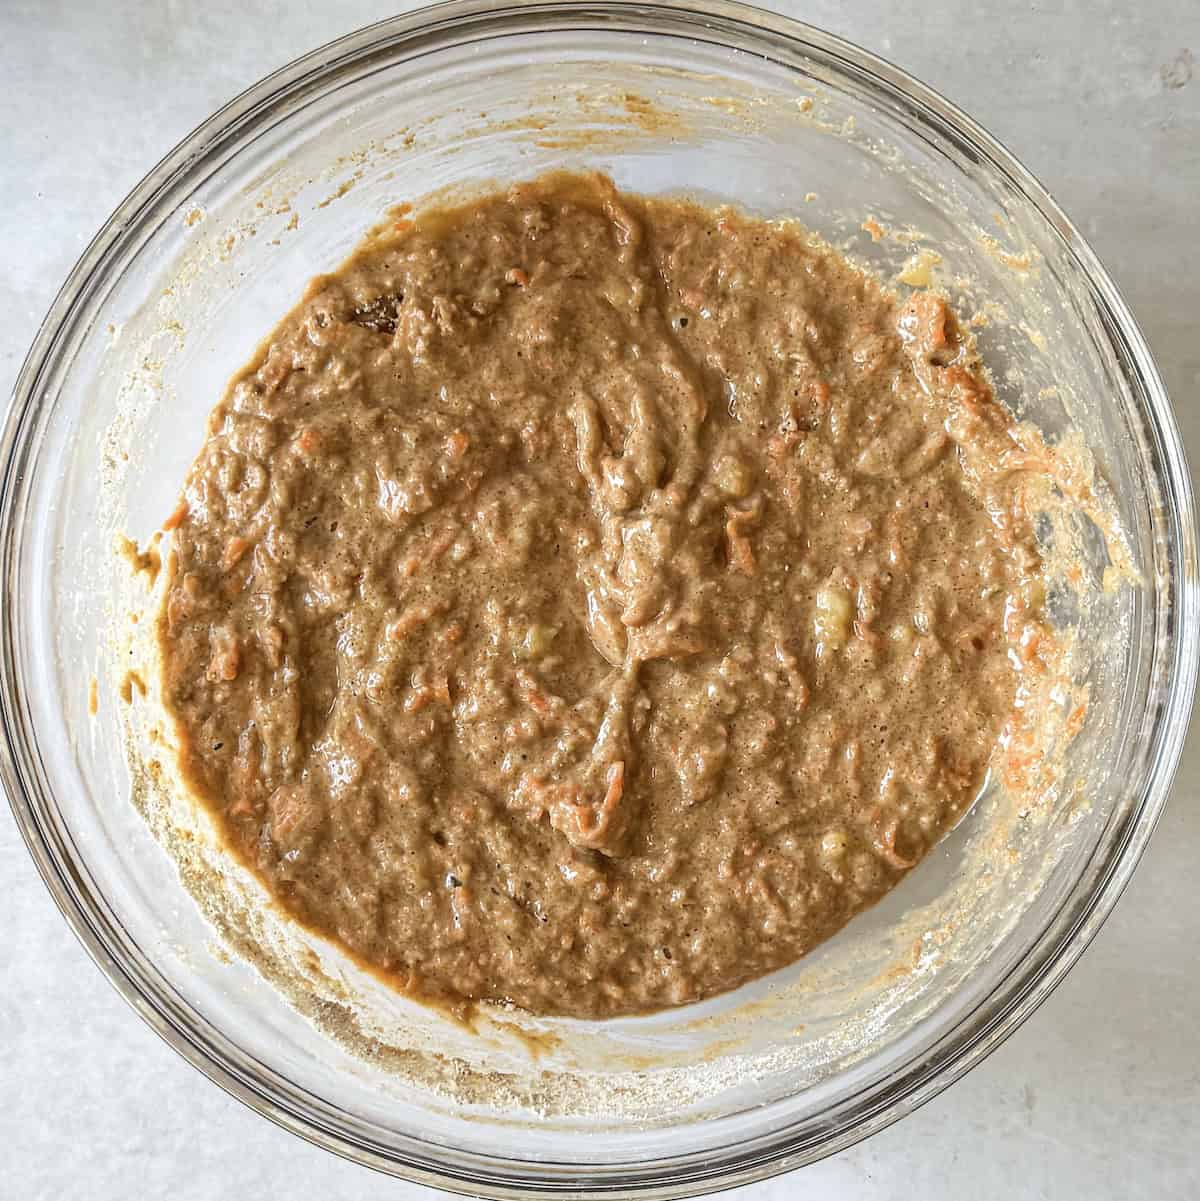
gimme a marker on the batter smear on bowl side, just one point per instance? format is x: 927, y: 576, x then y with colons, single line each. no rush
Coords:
x: 592, y: 602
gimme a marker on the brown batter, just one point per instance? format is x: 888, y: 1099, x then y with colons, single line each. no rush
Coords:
x: 593, y: 602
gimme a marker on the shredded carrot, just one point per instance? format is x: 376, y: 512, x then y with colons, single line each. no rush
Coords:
x: 436, y: 688
x: 937, y: 327
x: 225, y: 664
x: 234, y: 551
x: 534, y: 697
x: 457, y: 444
x: 308, y: 440
x: 925, y: 318
x: 585, y: 825
x: 413, y: 618
x: 616, y: 784
x: 874, y: 229
x: 433, y: 550
x: 177, y: 517
x: 885, y: 840
x: 741, y: 553
x: 517, y: 276
x: 1030, y: 641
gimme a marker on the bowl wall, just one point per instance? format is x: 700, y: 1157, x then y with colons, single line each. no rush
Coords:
x: 719, y: 102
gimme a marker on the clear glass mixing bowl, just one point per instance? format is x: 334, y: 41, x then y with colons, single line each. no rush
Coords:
x: 217, y: 242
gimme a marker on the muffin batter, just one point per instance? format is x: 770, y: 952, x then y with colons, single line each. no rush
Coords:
x: 592, y: 602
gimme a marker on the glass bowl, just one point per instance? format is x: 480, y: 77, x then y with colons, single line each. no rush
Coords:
x: 217, y: 242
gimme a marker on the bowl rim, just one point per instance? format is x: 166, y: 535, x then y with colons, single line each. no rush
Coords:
x: 1022, y: 989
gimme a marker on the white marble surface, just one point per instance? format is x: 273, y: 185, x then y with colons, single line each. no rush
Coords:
x: 1098, y: 1096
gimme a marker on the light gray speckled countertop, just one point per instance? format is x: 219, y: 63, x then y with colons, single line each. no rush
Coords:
x: 1098, y: 1095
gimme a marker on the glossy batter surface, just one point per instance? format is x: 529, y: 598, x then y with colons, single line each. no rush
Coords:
x: 592, y: 602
